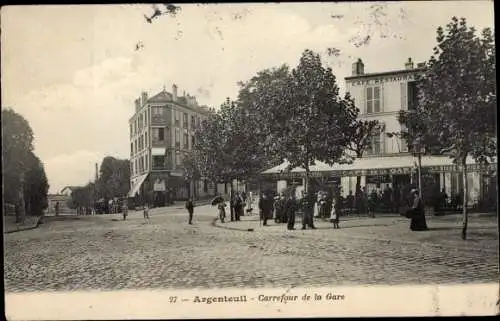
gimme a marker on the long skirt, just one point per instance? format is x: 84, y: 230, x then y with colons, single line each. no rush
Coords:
x: 418, y: 222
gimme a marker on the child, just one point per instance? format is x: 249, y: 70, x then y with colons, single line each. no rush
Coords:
x: 190, y: 208
x: 222, y: 211
x: 146, y: 211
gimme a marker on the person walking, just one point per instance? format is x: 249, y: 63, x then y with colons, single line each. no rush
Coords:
x: 334, y: 216
x: 56, y: 207
x: 266, y: 207
x: 190, y: 209
x: 308, y: 210
x: 238, y: 207
x: 249, y: 202
x: 146, y: 211
x: 125, y: 210
x: 290, y: 210
x: 222, y: 211
x: 418, y: 222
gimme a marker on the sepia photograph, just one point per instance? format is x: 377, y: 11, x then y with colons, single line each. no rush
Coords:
x: 212, y: 160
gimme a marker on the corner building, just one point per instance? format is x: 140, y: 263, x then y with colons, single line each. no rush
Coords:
x: 161, y: 134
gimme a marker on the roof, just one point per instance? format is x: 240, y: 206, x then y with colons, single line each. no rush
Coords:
x: 385, y: 73
x: 161, y: 97
x: 69, y: 187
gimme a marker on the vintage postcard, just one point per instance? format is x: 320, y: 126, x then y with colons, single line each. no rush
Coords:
x: 324, y: 159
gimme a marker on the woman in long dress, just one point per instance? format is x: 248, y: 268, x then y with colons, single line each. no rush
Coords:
x: 418, y: 222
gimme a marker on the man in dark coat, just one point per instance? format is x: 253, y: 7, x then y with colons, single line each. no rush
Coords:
x: 279, y: 206
x: 290, y: 210
x: 190, y: 208
x: 238, y: 207
x: 266, y: 207
x: 307, y: 204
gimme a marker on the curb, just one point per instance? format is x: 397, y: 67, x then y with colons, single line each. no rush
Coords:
x: 39, y: 221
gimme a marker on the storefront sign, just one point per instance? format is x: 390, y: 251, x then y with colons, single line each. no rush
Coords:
x: 382, y: 79
x: 159, y: 186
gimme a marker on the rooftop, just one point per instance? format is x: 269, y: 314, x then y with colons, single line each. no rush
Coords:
x: 385, y: 73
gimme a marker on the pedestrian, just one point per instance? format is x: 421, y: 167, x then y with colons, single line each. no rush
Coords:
x: 190, y: 208
x: 290, y: 211
x: 307, y: 204
x: 222, y: 211
x: 124, y: 210
x: 146, y: 211
x: 56, y: 207
x: 418, y: 222
x: 334, y: 216
x: 249, y: 202
x: 238, y: 207
x: 266, y: 207
x: 279, y: 208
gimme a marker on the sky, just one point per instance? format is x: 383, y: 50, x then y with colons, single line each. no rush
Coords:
x: 73, y: 71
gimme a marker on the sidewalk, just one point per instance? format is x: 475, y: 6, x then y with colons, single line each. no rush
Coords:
x: 444, y: 231
x: 10, y: 225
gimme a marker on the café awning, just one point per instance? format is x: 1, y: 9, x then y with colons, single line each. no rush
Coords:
x: 137, y: 185
x: 367, y: 166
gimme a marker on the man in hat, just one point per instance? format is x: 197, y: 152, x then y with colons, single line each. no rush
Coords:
x: 307, y: 205
x: 418, y: 222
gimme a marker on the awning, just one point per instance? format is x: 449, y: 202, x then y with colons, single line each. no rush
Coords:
x: 137, y: 185
x: 375, y: 166
x: 158, y: 151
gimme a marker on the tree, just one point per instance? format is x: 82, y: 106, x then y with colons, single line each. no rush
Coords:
x: 114, y: 178
x: 311, y: 119
x: 17, y: 144
x: 457, y: 94
x: 191, y: 168
x: 36, y: 186
x: 359, y: 133
x: 82, y: 196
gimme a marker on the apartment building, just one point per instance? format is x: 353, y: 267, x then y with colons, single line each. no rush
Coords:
x: 161, y: 134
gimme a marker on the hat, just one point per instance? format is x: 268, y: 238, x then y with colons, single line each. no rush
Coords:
x: 414, y: 190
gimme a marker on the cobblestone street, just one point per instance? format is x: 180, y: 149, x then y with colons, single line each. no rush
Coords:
x: 105, y: 252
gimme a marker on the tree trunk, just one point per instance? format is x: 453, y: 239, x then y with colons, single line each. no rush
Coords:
x: 231, y: 208
x: 420, y: 189
x: 464, y: 202
x: 306, y: 180
x: 22, y: 204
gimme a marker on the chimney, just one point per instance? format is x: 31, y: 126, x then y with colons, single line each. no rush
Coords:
x: 174, y: 92
x: 137, y: 104
x: 144, y: 97
x: 358, y: 68
x: 409, y: 64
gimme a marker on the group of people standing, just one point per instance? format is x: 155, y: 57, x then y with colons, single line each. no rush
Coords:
x: 285, y: 207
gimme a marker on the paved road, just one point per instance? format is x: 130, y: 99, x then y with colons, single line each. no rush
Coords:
x: 104, y: 252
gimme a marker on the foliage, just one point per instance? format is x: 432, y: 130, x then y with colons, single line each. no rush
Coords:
x: 36, y: 186
x: 22, y: 169
x: 82, y: 196
x: 114, y: 178
x: 314, y: 118
x: 457, y: 96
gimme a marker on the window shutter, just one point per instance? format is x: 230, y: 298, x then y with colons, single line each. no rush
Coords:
x: 382, y: 102
x: 404, y: 100
x: 363, y: 99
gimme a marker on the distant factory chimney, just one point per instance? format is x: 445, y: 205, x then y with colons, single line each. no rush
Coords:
x: 358, y: 68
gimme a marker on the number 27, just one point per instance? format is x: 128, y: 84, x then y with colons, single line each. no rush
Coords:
x: 172, y: 299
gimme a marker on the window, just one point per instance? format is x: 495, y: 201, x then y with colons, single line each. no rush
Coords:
x: 374, y: 144
x: 146, y: 144
x: 168, y: 156
x: 132, y: 148
x: 135, y: 166
x: 158, y: 162
x: 185, y: 120
x: 131, y: 169
x: 131, y: 132
x: 135, y: 146
x: 177, y: 158
x: 177, y: 118
x: 177, y: 137
x: 158, y: 111
x: 372, y: 100
x: 193, y: 122
x: 412, y: 95
x: 146, y: 162
x: 186, y: 140
x: 146, y: 118
x: 158, y: 134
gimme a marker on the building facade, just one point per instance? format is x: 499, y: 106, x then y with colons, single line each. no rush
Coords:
x: 387, y: 161
x: 162, y: 133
